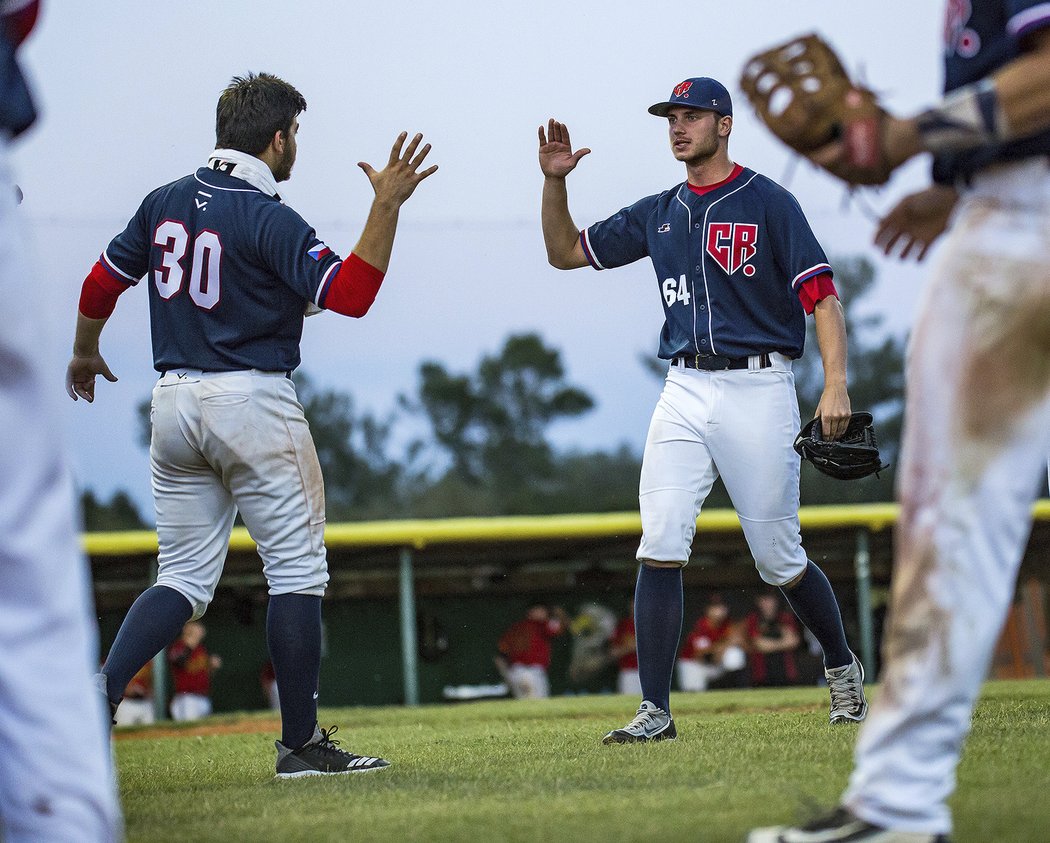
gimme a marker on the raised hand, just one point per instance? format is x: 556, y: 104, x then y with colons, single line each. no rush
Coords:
x: 398, y: 179
x: 557, y: 159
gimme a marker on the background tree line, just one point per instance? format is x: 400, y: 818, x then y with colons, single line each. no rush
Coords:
x: 485, y: 447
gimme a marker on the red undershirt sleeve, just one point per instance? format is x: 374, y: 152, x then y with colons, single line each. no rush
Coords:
x: 99, y: 293
x: 816, y: 288
x: 353, y: 289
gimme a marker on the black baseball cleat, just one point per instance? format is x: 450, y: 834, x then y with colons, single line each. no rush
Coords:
x: 323, y: 757
x: 651, y: 723
x: 840, y: 826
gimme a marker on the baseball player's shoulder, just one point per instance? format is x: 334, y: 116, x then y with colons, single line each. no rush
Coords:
x: 165, y: 191
x: 656, y: 200
x: 764, y: 184
x: 774, y: 194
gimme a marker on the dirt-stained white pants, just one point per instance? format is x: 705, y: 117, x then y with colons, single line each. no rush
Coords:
x: 977, y: 431
x: 225, y: 442
x: 56, y: 782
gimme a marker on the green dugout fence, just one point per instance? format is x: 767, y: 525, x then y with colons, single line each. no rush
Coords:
x: 853, y: 542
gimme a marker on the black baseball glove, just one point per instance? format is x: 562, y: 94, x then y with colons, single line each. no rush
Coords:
x: 855, y: 454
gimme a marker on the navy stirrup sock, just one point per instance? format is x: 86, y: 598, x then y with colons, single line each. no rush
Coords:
x: 293, y: 634
x: 658, y: 599
x: 813, y: 601
x: 154, y: 620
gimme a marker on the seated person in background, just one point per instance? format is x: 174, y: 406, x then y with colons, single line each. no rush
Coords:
x: 772, y: 639
x: 136, y: 709
x: 191, y: 669
x: 713, y: 654
x: 622, y: 648
x: 525, y: 651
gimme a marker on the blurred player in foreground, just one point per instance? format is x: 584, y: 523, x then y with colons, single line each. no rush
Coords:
x: 56, y: 783
x: 738, y: 268
x: 230, y: 271
x: 978, y: 399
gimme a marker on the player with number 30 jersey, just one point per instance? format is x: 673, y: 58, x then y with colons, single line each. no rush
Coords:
x: 231, y: 271
x: 229, y: 267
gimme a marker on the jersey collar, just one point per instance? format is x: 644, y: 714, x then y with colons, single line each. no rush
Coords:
x: 700, y: 190
x: 243, y: 166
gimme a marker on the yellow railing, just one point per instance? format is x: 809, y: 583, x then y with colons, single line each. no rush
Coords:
x: 421, y: 533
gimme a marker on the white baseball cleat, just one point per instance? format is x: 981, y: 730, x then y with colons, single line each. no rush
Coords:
x: 651, y: 723
x: 847, y: 693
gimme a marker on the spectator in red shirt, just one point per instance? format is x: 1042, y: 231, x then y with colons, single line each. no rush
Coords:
x: 622, y: 647
x: 772, y: 639
x: 525, y: 651
x: 713, y: 651
x: 191, y: 669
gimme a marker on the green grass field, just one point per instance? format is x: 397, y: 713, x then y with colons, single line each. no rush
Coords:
x: 531, y: 771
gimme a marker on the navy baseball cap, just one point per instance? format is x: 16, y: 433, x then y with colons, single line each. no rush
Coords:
x: 701, y: 92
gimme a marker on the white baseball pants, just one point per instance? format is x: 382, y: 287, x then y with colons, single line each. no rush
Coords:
x: 975, y: 444
x: 528, y: 682
x: 739, y: 424
x: 186, y: 707
x: 629, y: 682
x: 225, y: 442
x: 56, y: 781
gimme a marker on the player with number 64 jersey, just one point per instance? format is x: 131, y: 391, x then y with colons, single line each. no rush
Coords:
x: 738, y: 269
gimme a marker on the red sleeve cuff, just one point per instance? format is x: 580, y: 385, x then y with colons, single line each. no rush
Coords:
x: 98, y: 295
x: 353, y: 289
x: 816, y: 288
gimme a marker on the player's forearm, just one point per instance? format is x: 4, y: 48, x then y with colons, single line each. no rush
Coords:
x: 831, y: 338
x: 88, y: 331
x: 1012, y: 103
x: 377, y: 238
x: 560, y: 234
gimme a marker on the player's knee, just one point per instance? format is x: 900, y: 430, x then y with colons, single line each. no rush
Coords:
x: 660, y: 563
x: 780, y: 572
x: 668, y: 526
x: 199, y: 597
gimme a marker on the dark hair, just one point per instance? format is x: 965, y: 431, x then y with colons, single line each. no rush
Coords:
x: 252, y: 109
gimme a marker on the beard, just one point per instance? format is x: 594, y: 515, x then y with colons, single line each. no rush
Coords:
x: 703, y: 150
x: 283, y: 170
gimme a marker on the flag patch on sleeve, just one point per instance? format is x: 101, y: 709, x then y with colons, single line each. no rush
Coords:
x: 319, y: 251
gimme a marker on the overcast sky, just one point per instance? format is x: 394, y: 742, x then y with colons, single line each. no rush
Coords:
x: 128, y: 91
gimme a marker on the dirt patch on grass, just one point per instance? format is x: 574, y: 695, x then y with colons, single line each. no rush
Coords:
x: 232, y: 727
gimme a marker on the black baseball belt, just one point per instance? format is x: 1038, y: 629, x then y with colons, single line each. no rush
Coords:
x: 718, y: 363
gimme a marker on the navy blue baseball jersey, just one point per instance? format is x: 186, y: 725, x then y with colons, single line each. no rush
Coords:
x: 729, y: 264
x: 980, y: 36
x: 230, y: 270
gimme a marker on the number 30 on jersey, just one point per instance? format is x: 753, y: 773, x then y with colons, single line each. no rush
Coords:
x: 204, y: 283
x: 676, y: 289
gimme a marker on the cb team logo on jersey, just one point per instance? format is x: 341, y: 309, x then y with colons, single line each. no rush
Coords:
x: 732, y: 245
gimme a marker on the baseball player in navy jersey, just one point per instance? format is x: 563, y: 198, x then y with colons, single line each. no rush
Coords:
x: 977, y: 400
x: 230, y: 270
x: 56, y: 781
x: 738, y: 269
